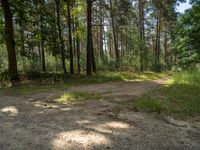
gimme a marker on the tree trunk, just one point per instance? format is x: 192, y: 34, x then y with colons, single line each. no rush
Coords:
x: 60, y: 36
x: 165, y: 46
x: 42, y: 36
x: 91, y: 66
x: 78, y: 47
x: 10, y: 43
x: 142, y: 33
x: 114, y: 33
x: 101, y: 31
x: 158, y: 30
x: 70, y: 37
x: 42, y: 43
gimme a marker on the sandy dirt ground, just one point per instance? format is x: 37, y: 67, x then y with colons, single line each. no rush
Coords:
x: 37, y: 122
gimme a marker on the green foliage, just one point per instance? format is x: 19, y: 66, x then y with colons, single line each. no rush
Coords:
x: 191, y: 77
x: 180, y: 97
x: 4, y: 76
x: 188, y: 37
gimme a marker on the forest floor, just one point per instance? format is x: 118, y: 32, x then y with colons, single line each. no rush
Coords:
x: 44, y: 121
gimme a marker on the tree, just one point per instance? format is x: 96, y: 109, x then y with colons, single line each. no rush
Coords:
x: 117, y: 57
x: 60, y: 35
x: 10, y: 43
x: 91, y: 66
x: 42, y: 35
x: 188, y: 37
x: 70, y: 36
x: 142, y: 33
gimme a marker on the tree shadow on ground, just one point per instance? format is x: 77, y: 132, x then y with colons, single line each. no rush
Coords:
x: 29, y: 124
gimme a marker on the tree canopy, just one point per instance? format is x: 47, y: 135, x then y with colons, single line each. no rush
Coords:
x: 74, y: 36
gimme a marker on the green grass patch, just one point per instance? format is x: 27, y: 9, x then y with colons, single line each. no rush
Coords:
x: 78, y: 96
x: 47, y: 82
x: 181, y: 97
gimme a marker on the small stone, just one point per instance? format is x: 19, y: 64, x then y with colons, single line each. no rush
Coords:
x: 108, y: 147
x: 135, y: 109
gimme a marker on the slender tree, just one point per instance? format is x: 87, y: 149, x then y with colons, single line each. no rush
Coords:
x: 70, y: 36
x: 117, y: 57
x: 60, y: 35
x: 42, y: 36
x: 158, y: 35
x: 142, y: 33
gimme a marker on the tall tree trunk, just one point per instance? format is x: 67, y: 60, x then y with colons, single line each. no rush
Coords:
x: 22, y: 26
x: 74, y: 40
x: 142, y: 33
x: 158, y: 30
x: 60, y: 36
x: 41, y: 5
x: 10, y: 43
x: 101, y: 31
x: 117, y: 57
x: 91, y: 66
x: 42, y: 43
x: 93, y: 59
x: 78, y: 46
x: 165, y: 46
x: 70, y: 37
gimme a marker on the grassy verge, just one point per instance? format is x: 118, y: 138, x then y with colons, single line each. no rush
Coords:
x: 180, y: 97
x: 35, y: 85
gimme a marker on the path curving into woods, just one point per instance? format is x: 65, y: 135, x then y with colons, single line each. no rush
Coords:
x: 38, y: 122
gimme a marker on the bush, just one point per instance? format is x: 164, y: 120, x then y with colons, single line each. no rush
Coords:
x: 4, y: 76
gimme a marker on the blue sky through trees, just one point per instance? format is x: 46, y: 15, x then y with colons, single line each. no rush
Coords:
x: 183, y: 7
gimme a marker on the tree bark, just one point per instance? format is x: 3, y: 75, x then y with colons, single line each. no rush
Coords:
x: 42, y: 40
x: 91, y: 66
x: 142, y: 33
x: 77, y: 46
x: 158, y: 30
x: 70, y: 37
x: 10, y: 43
x: 101, y: 31
x: 117, y: 57
x: 60, y: 36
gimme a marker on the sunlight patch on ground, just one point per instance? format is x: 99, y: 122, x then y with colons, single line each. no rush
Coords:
x: 65, y: 140
x: 109, y: 127
x: 117, y: 125
x: 83, y: 122
x: 133, y: 80
x: 11, y: 110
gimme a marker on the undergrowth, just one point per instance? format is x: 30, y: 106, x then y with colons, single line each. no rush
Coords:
x: 180, y: 96
x: 33, y: 82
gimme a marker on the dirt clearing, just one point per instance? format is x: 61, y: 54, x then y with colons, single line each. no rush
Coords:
x: 37, y: 122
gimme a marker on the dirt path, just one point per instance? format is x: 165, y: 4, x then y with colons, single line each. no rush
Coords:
x: 28, y: 123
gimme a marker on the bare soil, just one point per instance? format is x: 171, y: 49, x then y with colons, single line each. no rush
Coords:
x: 37, y: 122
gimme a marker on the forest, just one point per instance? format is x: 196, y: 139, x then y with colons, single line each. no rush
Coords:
x: 99, y: 74
x: 74, y: 37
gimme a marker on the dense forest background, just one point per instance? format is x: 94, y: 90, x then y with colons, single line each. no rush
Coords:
x: 78, y: 36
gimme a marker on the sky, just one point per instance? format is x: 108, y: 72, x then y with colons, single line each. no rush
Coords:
x: 183, y: 6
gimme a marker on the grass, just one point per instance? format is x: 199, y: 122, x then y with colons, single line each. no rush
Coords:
x: 78, y: 96
x: 71, y: 80
x: 180, y: 97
